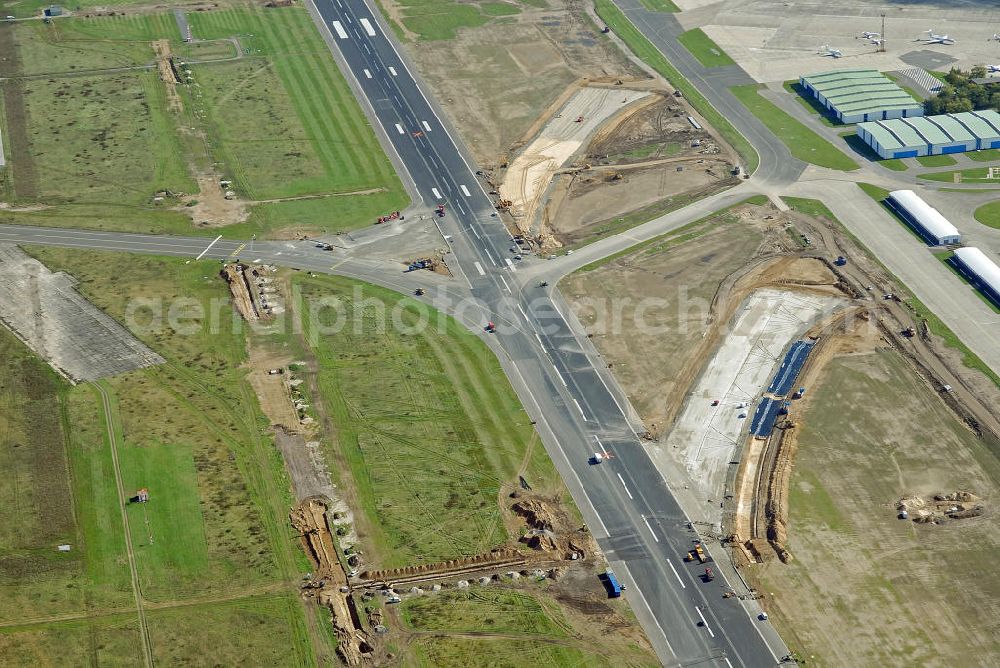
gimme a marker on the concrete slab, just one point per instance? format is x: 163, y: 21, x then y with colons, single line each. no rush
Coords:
x: 705, y: 437
x: 776, y: 41
x: 75, y: 337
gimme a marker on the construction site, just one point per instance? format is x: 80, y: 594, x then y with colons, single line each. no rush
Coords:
x: 550, y: 555
x: 761, y: 303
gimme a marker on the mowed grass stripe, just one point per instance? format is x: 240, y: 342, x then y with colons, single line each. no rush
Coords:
x: 325, y: 109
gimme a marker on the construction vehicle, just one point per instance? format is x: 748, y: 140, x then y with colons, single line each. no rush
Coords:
x: 439, y: 211
x: 611, y: 582
x: 840, y: 261
x: 909, y: 332
x: 700, y: 554
x: 419, y: 292
x: 579, y: 119
x: 798, y: 395
x: 490, y: 327
x: 543, y: 284
x: 395, y: 215
x: 424, y: 263
x: 709, y: 575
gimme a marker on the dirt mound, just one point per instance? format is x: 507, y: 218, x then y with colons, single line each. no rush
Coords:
x: 535, y: 513
x: 940, y: 507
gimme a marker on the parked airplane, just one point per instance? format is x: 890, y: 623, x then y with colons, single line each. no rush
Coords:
x: 826, y: 50
x: 995, y: 37
x: 870, y: 35
x: 994, y: 68
x: 934, y: 38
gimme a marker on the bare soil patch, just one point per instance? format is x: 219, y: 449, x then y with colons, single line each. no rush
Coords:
x: 496, y: 82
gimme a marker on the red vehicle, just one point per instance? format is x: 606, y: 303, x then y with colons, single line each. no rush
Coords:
x: 715, y: 402
x: 490, y: 327
x: 709, y: 575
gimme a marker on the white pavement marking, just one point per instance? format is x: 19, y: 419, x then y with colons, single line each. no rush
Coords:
x: 539, y: 340
x: 399, y: 129
x: 580, y: 409
x: 367, y: 50
x: 339, y: 27
x: 437, y: 193
x: 427, y: 126
x: 705, y: 622
x: 490, y: 257
x: 392, y: 71
x: 510, y: 264
x: 368, y: 74
x: 208, y: 247
x: 625, y: 486
x: 476, y: 232
x: 366, y: 24
x: 480, y: 269
x: 646, y: 522
x: 505, y: 283
x: 726, y: 659
x: 560, y: 375
x: 465, y: 191
x: 676, y: 574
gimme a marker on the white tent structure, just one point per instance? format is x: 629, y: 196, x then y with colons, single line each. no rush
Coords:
x: 925, y: 219
x: 980, y: 270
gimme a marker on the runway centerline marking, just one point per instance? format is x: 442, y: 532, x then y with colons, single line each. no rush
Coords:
x: 705, y: 622
x: 339, y: 27
x: 625, y: 486
x: 676, y: 574
x: 202, y: 254
x: 653, y: 533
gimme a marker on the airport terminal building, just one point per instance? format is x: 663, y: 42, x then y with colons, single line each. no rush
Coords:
x: 854, y: 96
x: 923, y: 218
x: 932, y: 135
x: 980, y: 270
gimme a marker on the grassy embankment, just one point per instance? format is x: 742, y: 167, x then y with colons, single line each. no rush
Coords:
x: 262, y: 120
x: 644, y: 49
x: 803, y: 143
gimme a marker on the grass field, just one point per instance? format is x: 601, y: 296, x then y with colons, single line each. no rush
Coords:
x: 936, y: 160
x: 902, y: 610
x: 972, y: 175
x: 895, y: 164
x: 425, y: 422
x: 516, y: 628
x: 989, y: 214
x: 431, y: 20
x: 96, y: 147
x: 641, y: 47
x: 804, y: 144
x: 660, y: 6
x: 986, y: 155
x: 704, y: 49
x: 190, y: 431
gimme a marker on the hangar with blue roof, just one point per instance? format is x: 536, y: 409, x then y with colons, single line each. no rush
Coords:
x: 932, y: 135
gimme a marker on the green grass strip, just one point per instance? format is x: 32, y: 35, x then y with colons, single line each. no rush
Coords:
x: 644, y: 49
x: 804, y: 144
x: 704, y: 49
x: 989, y: 214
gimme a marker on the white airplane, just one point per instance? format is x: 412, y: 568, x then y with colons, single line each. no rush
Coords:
x: 995, y: 38
x: 934, y: 38
x: 826, y: 50
x: 870, y: 35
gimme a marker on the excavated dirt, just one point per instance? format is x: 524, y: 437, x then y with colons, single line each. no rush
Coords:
x: 168, y: 76
x: 495, y: 82
x: 211, y: 208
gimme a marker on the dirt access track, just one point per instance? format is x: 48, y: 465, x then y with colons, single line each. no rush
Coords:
x: 530, y: 173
